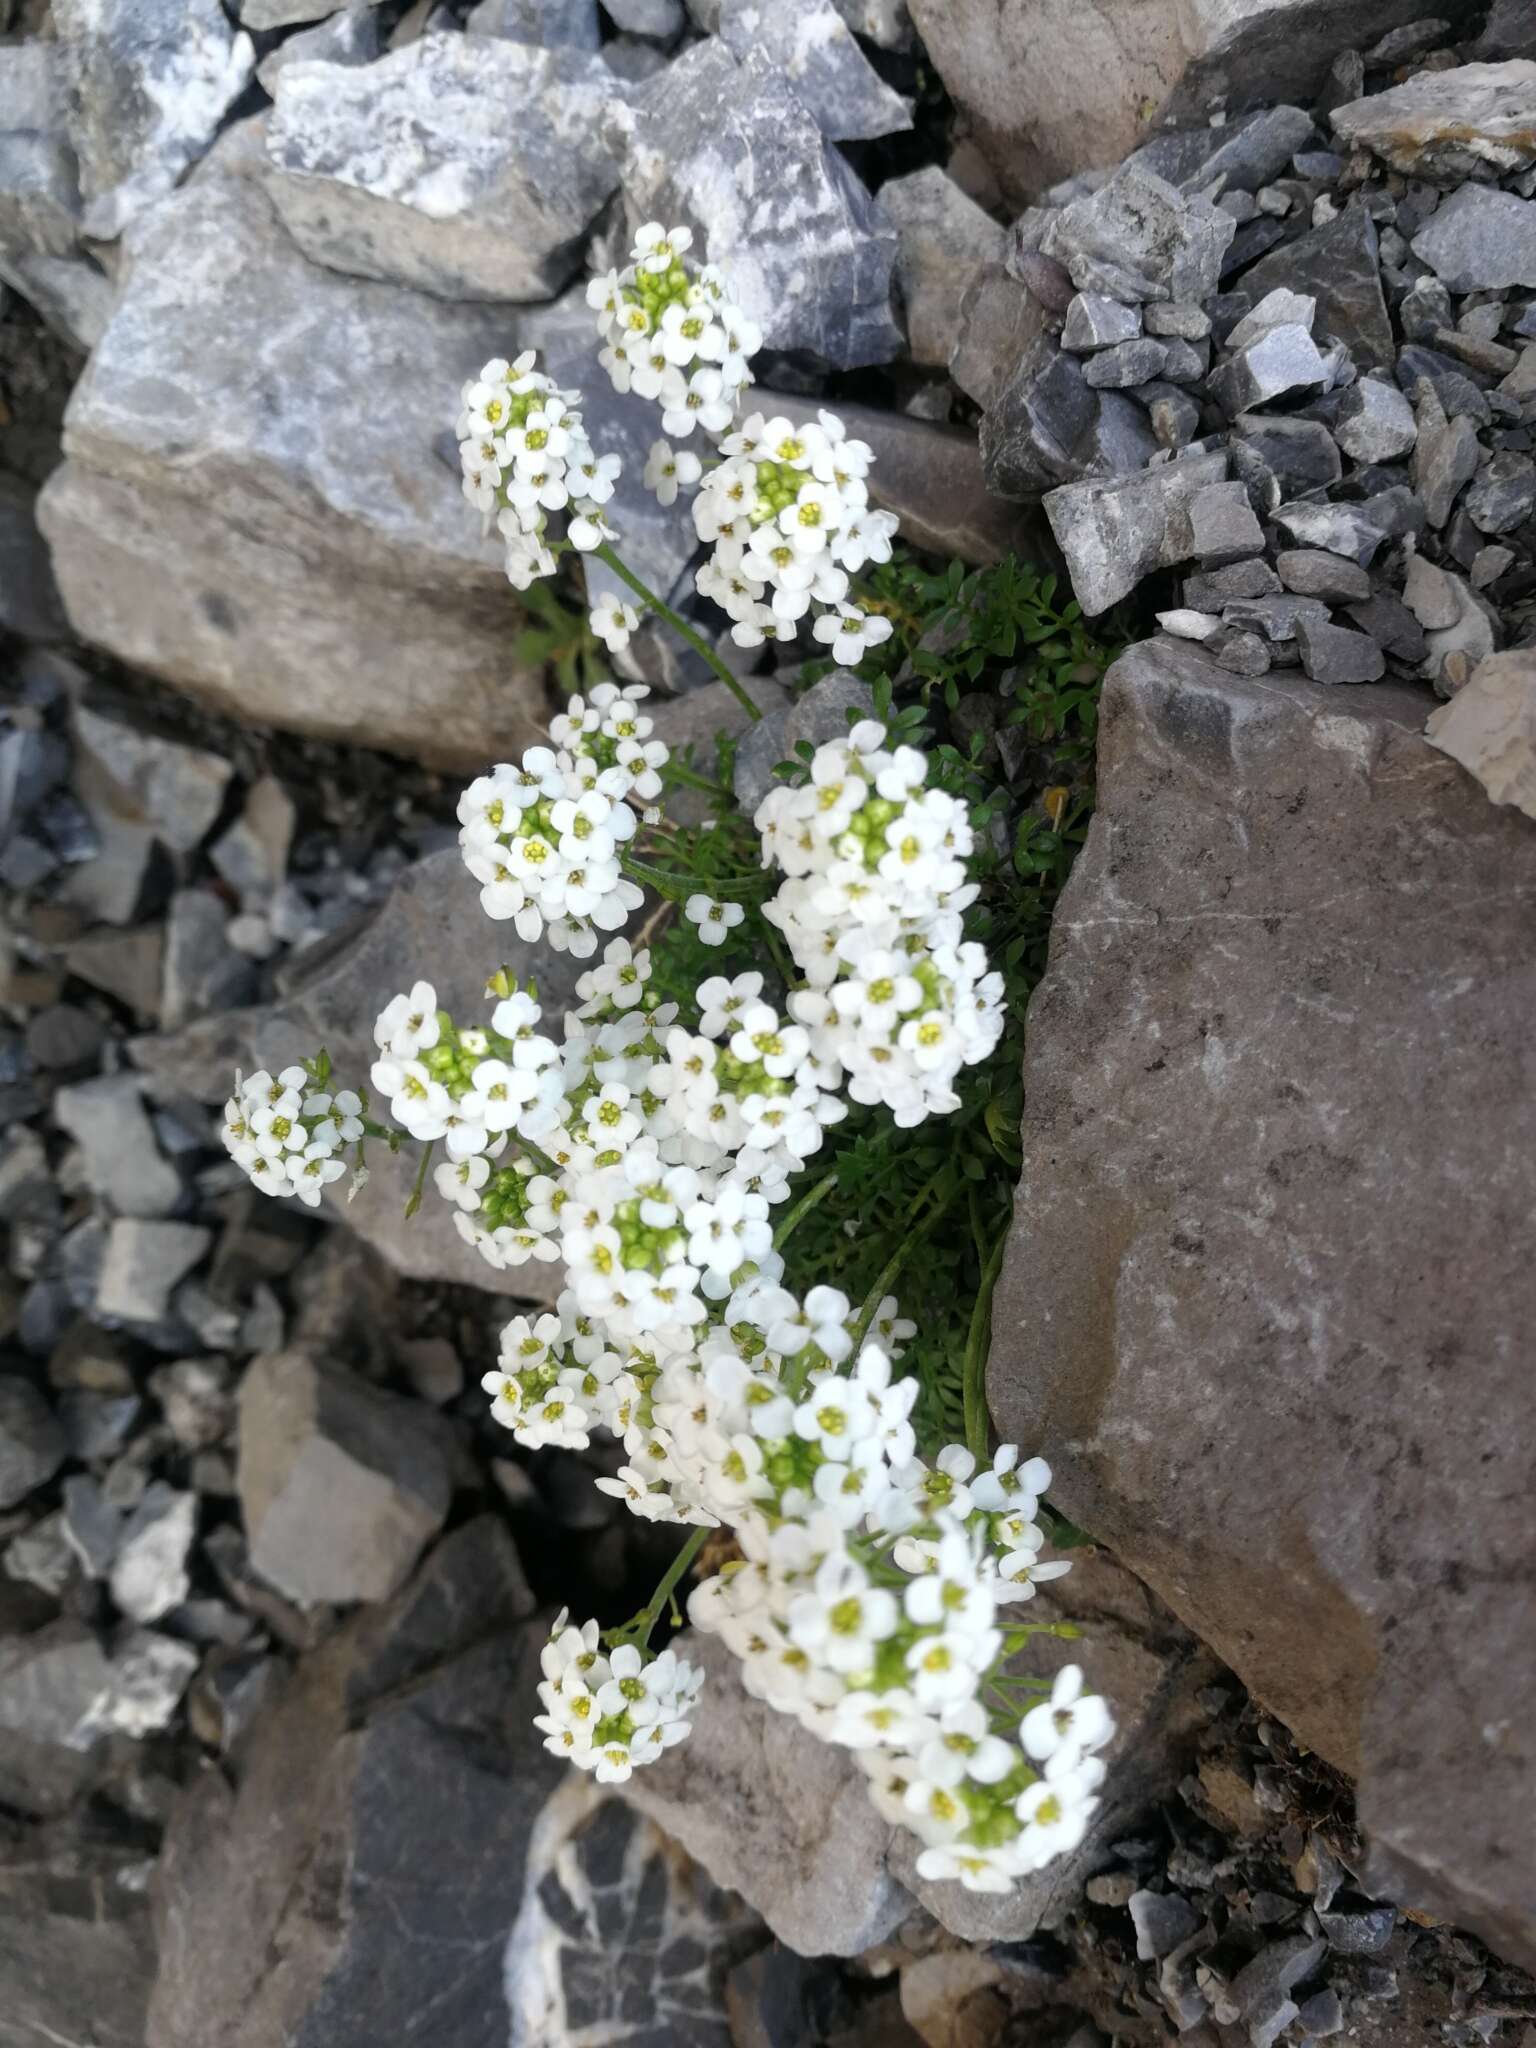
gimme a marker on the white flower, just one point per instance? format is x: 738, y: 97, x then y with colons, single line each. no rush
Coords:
x: 613, y: 621
x: 713, y: 919
x: 851, y: 633
x: 667, y: 470
x: 1069, y: 1721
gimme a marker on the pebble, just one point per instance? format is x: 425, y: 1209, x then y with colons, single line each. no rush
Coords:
x: 1095, y: 322
x: 1185, y: 624
x: 1311, y: 572
x: 1163, y: 1920
x: 1126, y: 364
x: 1374, y: 422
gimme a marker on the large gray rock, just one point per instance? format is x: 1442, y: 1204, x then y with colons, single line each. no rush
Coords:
x: 1489, y: 726
x: 341, y: 1486
x: 360, y: 1884
x: 946, y: 242
x: 816, y: 52
x: 1480, y: 240
x: 258, y: 503
x: 706, y: 142
x: 40, y: 251
x: 77, y: 1948
x: 147, y: 89
x: 470, y: 167
x: 1449, y: 125
x: 351, y: 37
x: 1266, y: 1300
x: 1114, y: 531
x: 1148, y: 238
x: 1051, y: 87
x: 62, y: 1696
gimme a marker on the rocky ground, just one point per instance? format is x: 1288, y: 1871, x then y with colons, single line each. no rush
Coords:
x: 271, y: 1585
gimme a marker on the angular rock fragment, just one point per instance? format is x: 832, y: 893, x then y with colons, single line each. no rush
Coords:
x: 1246, y: 153
x: 1444, y: 456
x: 1313, y: 573
x: 1096, y: 322
x: 341, y: 1486
x: 1293, y: 456
x: 1480, y: 240
x: 1279, y: 308
x: 1504, y: 493
x: 946, y: 241
x: 1170, y: 318
x: 149, y: 1566
x: 705, y: 140
x: 1126, y: 364
x: 1140, y: 239
x: 1216, y: 587
x: 143, y: 1263
x: 1334, y: 654
x: 1391, y: 625
x: 1046, y: 426
x: 1222, y: 526
x: 1449, y: 125
x: 1489, y: 726
x: 230, y: 517
x: 350, y: 37
x: 544, y: 23
x: 466, y: 167
x: 1284, y: 358
x: 177, y: 790
x: 1117, y: 531
x: 147, y: 89
x: 1374, y: 421
x: 123, y: 1164
x: 31, y: 1442
x: 1338, y: 264
x: 1275, y: 617
x: 817, y: 56
x: 40, y: 253
x: 1241, y: 653
x: 1338, y: 529
x: 1000, y: 322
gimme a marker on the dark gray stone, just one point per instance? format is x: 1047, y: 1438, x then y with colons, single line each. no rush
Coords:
x: 1480, y: 240
x: 1334, y: 654
x: 1127, y: 363
x: 77, y: 1949
x: 1283, y: 359
x: 1174, y: 415
x: 705, y: 139
x: 1144, y: 1315
x: 1339, y: 529
x: 362, y: 1882
x: 96, y: 1424
x: 1139, y: 236
x: 1222, y: 526
x: 1248, y: 152
x: 203, y: 971
x: 544, y: 23
x: 1095, y: 322
x: 1391, y: 625
x: 1361, y: 1931
x: 32, y: 1444
x: 92, y: 1525
x: 1163, y: 1920
x: 999, y: 321
x: 1182, y: 322
x: 1275, y: 617
x: 1214, y: 588
x: 1453, y: 387
x: 826, y: 711
x: 123, y: 1164
x: 29, y: 598
x: 1047, y: 427
x: 1113, y: 533
x: 1503, y: 495
x: 1374, y: 421
x: 1338, y: 265
x: 1300, y: 455
x: 1444, y: 457
x: 662, y: 19
x: 819, y: 58
x: 1239, y: 652
x: 1314, y: 573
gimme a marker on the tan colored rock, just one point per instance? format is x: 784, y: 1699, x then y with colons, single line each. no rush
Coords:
x: 1268, y: 1301
x: 946, y: 240
x: 1489, y: 726
x: 1449, y: 125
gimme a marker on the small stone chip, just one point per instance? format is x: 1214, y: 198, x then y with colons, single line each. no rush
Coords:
x: 1312, y: 572
x: 1334, y: 654
x: 1223, y: 526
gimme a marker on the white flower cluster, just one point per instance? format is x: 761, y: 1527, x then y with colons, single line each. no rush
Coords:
x: 610, y: 1711
x: 525, y: 454
x: 871, y: 906
x: 289, y: 1135
x: 788, y: 516
x: 672, y: 334
x: 543, y: 836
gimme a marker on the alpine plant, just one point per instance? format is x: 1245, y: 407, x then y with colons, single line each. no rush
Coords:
x: 656, y: 1148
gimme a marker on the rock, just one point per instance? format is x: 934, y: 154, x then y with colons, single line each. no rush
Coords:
x: 147, y: 90
x: 1334, y: 654
x: 816, y: 54
x: 945, y: 241
x: 1480, y: 240
x: 1000, y: 321
x: 1178, y: 322
x: 827, y: 711
x: 1050, y: 89
x: 547, y: 24
x: 1261, y: 1989
x: 1184, y: 624
x: 1430, y: 593
x: 1279, y: 308
x: 1358, y: 1933
x: 123, y: 1165
x: 1374, y: 422
x: 1452, y: 652
x: 1246, y: 153
x: 466, y: 167
x: 705, y: 139
x: 61, y: 1696
x: 786, y: 1822
x: 1448, y: 125
x: 220, y: 466
x: 174, y: 790
x: 434, y: 1369
x: 77, y: 1950
x: 196, y: 1398
x: 29, y: 601
x: 341, y: 1486
x: 1222, y: 526
x: 97, y: 1425
x: 1444, y: 456
x: 616, y: 1922
x: 1313, y: 573
x: 1336, y: 529
x: 64, y: 1039
x: 1245, y: 654
x: 1391, y: 625
x: 31, y: 1442
x: 1046, y: 427
x: 144, y: 1261
x: 252, y: 855
x: 1163, y: 1921
x: 350, y: 37
x: 1275, y: 617
x: 269, y: 14
x: 1489, y: 726
x: 41, y: 1557
x: 1130, y: 362
x: 1095, y: 322
x: 1115, y: 532
x: 361, y: 1883
x: 1504, y: 494
x: 660, y: 18
x: 149, y: 1571
x: 1338, y: 264
x: 1283, y: 359
x: 1288, y: 456
x: 92, y: 1525
x: 1148, y: 1121
x: 203, y: 971
x: 125, y: 964
x: 1142, y: 238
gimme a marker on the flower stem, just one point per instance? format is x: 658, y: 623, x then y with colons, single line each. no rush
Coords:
x: 421, y: 1179
x: 605, y: 553
x: 902, y: 1253
x: 804, y: 1207
x: 639, y: 1630
x: 976, y: 1344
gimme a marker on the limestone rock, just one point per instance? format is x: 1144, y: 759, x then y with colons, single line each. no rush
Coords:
x: 817, y: 55
x: 1115, y: 531
x: 1480, y: 240
x: 705, y: 141
x: 1139, y: 235
x: 1337, y: 264
x: 257, y: 504
x: 147, y: 88
x: 946, y: 242
x: 1449, y: 125
x: 341, y: 1486
x: 361, y: 1883
x: 1051, y: 88
x: 1245, y: 1290
x: 149, y: 1571
x: 144, y: 1261
x: 173, y: 791
x: 31, y: 1441
x: 469, y: 167
x: 123, y: 1165
x: 999, y: 323
x: 350, y: 37
x: 40, y: 254
x: 1489, y: 726
x: 62, y: 1695
x: 1047, y: 426
x: 77, y: 1949
x: 547, y: 24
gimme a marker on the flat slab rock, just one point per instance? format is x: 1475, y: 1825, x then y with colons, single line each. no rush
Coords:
x: 1266, y: 1301
x: 232, y: 518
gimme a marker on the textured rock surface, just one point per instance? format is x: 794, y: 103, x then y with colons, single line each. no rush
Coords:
x: 147, y: 88
x: 815, y: 50
x: 1489, y: 726
x: 946, y: 241
x: 1115, y: 532
x: 40, y: 197
x: 341, y: 1486
x: 731, y: 150
x: 231, y: 518
x: 1264, y: 1302
x: 1052, y: 87
x: 470, y: 167
x: 1449, y: 125
x: 77, y: 1950
x: 360, y: 1884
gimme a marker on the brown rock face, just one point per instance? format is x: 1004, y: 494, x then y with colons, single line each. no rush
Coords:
x: 1269, y: 1303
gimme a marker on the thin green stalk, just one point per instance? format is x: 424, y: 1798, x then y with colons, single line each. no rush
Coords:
x: 899, y: 1257
x: 803, y: 1207
x: 605, y: 553
x: 421, y: 1179
x: 536, y: 1154
x: 639, y: 1630
x: 675, y: 771
x: 977, y: 1340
